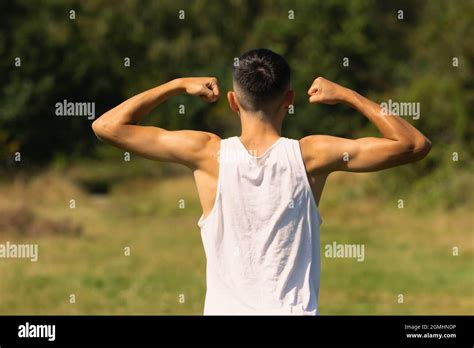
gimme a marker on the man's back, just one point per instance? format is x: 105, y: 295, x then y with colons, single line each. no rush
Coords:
x: 261, y: 237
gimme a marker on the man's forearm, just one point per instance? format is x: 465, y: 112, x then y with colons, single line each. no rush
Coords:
x: 391, y: 126
x: 134, y: 109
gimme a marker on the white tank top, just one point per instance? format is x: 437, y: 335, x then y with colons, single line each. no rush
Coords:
x: 261, y: 238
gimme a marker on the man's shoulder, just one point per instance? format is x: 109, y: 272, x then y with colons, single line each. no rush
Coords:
x: 316, y: 142
x: 315, y: 150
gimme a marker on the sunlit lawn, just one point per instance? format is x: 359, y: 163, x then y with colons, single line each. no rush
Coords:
x: 406, y: 252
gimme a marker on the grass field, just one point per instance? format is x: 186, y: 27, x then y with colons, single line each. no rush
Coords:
x: 407, y: 251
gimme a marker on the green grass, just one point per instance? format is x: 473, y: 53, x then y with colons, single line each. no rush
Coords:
x: 407, y: 251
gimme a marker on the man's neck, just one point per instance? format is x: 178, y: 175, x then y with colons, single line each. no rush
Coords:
x: 258, y: 128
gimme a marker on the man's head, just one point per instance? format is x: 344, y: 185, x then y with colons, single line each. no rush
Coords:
x: 261, y: 82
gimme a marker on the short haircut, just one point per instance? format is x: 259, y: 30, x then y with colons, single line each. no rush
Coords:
x: 262, y: 77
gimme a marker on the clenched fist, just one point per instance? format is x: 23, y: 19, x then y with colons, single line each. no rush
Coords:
x: 323, y: 91
x: 204, y: 87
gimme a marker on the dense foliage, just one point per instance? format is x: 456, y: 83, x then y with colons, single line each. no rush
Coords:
x: 83, y: 59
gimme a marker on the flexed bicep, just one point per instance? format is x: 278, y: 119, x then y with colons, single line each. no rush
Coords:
x: 328, y: 154
x: 186, y: 147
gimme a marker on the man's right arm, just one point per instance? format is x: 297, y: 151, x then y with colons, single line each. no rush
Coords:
x: 399, y: 144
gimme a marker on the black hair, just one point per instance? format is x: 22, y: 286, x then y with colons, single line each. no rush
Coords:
x: 262, y: 76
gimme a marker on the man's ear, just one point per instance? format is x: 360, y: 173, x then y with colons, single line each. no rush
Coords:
x: 232, y: 98
x: 289, y: 98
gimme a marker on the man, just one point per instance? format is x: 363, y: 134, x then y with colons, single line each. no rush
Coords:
x: 259, y: 192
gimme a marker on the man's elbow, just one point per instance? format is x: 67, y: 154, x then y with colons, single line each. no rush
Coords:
x: 412, y: 150
x: 102, y: 130
x: 97, y: 128
x: 421, y: 148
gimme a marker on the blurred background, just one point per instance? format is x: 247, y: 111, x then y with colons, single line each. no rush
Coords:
x: 120, y: 237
